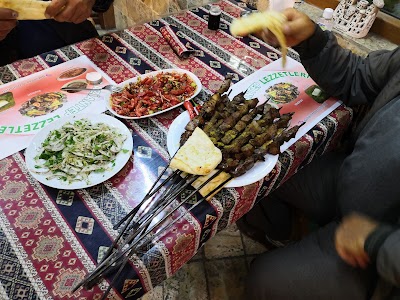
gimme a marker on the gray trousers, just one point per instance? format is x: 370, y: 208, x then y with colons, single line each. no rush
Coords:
x: 309, y: 269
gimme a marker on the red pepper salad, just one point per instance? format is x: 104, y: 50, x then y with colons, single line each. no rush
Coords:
x: 152, y: 94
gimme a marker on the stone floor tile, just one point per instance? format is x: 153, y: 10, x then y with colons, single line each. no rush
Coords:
x: 226, y: 278
x: 252, y: 247
x: 188, y: 283
x: 155, y: 294
x: 226, y: 243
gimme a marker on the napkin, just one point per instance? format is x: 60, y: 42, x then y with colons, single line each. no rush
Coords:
x: 176, y: 39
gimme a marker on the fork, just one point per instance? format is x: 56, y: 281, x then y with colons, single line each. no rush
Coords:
x: 110, y: 87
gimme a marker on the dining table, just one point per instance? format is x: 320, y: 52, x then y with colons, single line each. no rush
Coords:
x: 52, y: 238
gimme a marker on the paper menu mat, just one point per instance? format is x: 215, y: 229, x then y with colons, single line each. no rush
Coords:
x: 30, y: 103
x: 290, y: 88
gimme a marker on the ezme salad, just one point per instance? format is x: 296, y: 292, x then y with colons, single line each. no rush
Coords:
x: 152, y: 94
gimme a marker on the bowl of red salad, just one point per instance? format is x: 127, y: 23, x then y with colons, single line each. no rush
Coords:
x: 153, y: 93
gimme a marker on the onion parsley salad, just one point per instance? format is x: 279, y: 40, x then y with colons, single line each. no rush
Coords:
x: 152, y: 94
x: 77, y: 149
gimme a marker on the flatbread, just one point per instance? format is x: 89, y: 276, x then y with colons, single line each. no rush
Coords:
x: 213, y: 184
x: 254, y: 22
x: 198, y: 155
x: 27, y: 9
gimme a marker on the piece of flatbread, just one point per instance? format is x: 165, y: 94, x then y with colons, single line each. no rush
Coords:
x: 27, y: 9
x: 254, y: 22
x: 198, y: 155
x: 213, y: 184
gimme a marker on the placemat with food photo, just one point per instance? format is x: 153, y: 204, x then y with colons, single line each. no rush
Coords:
x: 30, y: 103
x: 291, y: 89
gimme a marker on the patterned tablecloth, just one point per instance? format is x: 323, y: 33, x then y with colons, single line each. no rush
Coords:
x: 51, y: 238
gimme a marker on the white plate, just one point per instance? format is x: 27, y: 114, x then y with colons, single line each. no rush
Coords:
x: 35, y: 148
x: 123, y: 84
x: 260, y: 169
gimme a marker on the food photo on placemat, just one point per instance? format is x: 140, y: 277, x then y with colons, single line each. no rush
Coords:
x: 71, y: 73
x: 75, y: 85
x: 316, y: 93
x: 32, y: 102
x: 42, y: 104
x: 282, y: 93
x: 6, y: 101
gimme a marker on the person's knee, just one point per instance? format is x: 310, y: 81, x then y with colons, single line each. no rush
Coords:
x: 262, y: 281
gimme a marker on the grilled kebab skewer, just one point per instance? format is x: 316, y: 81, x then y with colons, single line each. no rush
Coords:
x: 207, y: 110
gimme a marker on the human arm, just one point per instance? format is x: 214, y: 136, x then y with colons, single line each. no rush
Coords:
x: 383, y: 246
x: 360, y: 240
x: 75, y: 11
x: 8, y: 20
x: 350, y: 239
x: 342, y: 74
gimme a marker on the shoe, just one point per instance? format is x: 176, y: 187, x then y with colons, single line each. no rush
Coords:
x: 258, y: 235
x: 299, y: 230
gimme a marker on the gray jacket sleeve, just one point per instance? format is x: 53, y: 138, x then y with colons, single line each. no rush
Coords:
x: 342, y: 74
x: 388, y: 259
x: 383, y: 245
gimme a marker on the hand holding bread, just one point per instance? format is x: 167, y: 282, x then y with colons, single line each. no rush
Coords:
x: 8, y: 20
x: 255, y: 22
x: 26, y: 9
x: 74, y: 11
x: 287, y: 28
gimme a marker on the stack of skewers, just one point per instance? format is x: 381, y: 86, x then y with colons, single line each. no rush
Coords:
x: 243, y: 131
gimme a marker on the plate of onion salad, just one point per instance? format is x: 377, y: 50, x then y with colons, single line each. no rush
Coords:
x: 79, y: 151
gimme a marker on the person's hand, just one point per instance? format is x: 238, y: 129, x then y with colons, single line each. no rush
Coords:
x: 298, y: 28
x: 350, y: 238
x: 8, y: 20
x: 74, y: 11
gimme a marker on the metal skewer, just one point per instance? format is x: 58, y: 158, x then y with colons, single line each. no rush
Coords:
x: 140, y: 230
x: 126, y: 258
x: 148, y: 195
x: 128, y: 217
x: 175, y: 181
x: 167, y: 199
x: 134, y: 226
x: 194, y: 206
x: 101, y: 268
x: 165, y: 204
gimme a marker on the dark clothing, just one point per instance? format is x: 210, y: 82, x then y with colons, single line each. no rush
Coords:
x: 363, y: 181
x: 311, y: 268
x: 308, y: 270
x: 101, y: 6
x: 37, y: 33
x: 373, y: 81
x: 31, y: 38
